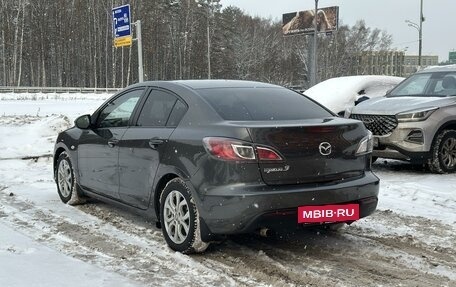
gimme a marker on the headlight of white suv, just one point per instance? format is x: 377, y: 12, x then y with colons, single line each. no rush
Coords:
x: 416, y: 115
x: 366, y: 145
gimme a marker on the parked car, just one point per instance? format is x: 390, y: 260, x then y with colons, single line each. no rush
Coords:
x: 212, y: 157
x: 416, y: 121
x: 340, y: 94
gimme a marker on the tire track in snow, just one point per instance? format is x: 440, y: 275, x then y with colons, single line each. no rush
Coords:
x: 386, y: 248
x: 135, y: 253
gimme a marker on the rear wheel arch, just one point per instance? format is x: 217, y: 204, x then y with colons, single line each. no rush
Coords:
x: 159, y: 189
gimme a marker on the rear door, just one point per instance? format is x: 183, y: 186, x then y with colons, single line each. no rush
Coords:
x: 98, y: 150
x: 145, y: 143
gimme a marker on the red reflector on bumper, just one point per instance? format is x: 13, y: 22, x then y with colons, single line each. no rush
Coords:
x: 328, y: 213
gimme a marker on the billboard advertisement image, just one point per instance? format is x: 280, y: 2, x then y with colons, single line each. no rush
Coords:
x: 302, y: 22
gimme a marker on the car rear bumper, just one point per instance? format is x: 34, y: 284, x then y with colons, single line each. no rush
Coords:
x: 245, y: 208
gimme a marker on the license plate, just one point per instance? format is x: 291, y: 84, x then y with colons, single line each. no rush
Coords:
x: 328, y: 213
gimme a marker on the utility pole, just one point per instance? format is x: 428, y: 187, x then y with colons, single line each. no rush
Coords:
x: 313, y: 76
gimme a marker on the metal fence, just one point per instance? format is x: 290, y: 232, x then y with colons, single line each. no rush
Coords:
x: 56, y: 90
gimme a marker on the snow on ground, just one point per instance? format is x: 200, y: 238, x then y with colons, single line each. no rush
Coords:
x: 410, y: 240
x: 28, y: 259
x: 419, y: 193
x: 71, y: 105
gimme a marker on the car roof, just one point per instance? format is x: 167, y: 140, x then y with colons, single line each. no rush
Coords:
x: 209, y: 84
x: 436, y: 69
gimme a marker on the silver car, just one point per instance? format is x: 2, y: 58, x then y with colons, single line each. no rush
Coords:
x: 416, y: 121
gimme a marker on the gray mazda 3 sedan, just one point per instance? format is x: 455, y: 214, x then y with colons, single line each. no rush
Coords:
x: 209, y: 158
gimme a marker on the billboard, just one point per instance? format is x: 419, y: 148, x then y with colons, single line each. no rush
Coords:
x: 452, y: 57
x: 302, y: 22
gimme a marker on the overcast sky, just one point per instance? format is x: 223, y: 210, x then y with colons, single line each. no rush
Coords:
x: 439, y: 29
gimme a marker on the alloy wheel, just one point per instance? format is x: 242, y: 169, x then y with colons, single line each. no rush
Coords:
x: 176, y: 217
x: 64, y: 178
x: 448, y: 153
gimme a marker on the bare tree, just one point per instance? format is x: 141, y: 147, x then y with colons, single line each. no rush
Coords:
x: 70, y: 43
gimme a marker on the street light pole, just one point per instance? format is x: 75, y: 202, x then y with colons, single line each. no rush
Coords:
x: 421, y: 34
x: 418, y: 27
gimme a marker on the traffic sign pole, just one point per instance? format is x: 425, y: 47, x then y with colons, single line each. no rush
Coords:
x: 121, y: 20
x: 140, y: 54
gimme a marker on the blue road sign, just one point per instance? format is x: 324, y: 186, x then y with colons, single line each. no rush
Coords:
x: 121, y: 21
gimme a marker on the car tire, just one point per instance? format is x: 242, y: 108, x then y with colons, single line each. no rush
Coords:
x: 180, y: 219
x: 67, y: 187
x: 443, y: 153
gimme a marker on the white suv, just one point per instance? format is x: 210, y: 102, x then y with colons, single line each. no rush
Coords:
x: 416, y: 121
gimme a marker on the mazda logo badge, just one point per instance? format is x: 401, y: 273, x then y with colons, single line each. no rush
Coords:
x: 325, y: 148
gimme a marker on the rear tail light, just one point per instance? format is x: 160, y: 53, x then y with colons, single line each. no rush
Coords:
x: 229, y: 149
x: 235, y: 150
x: 366, y: 145
x: 267, y: 154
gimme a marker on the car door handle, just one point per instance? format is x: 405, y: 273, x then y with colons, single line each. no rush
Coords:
x: 113, y: 143
x: 154, y: 142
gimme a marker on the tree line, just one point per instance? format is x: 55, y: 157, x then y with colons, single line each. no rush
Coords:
x: 69, y: 43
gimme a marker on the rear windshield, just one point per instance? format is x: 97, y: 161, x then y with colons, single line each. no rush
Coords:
x: 262, y: 104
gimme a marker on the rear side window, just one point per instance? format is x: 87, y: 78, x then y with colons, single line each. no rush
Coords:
x: 262, y: 104
x: 157, y: 109
x: 178, y: 112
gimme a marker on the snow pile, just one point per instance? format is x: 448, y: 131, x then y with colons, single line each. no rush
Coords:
x: 338, y: 94
x: 28, y: 136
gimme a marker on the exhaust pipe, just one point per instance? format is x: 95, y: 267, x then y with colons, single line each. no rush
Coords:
x: 265, y: 232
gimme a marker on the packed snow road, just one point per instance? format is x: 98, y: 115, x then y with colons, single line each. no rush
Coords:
x: 409, y: 241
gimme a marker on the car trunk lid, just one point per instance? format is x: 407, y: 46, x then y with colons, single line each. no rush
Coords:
x: 313, y: 151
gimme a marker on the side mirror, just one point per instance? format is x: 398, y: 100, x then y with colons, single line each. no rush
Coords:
x: 83, y: 122
x: 360, y: 100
